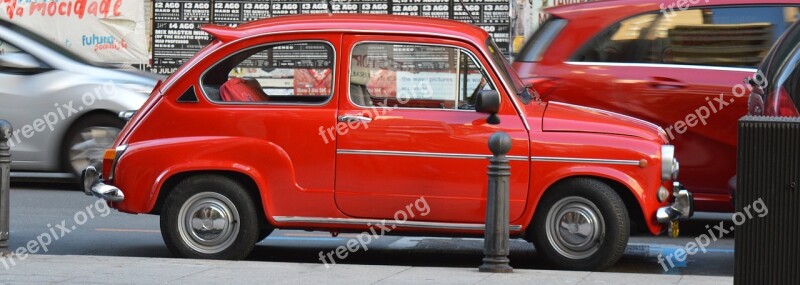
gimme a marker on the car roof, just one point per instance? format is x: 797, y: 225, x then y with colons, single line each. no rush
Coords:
x: 633, y: 7
x: 366, y: 23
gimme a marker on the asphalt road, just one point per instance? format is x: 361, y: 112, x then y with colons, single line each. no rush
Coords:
x: 78, y: 226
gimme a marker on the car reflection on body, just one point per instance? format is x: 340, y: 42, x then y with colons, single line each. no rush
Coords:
x: 673, y: 66
x: 64, y: 108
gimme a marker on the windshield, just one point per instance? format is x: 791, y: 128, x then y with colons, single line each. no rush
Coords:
x: 535, y: 47
x: 45, y: 42
x: 508, y: 73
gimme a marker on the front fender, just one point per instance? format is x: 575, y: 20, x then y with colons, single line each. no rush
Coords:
x: 647, y: 201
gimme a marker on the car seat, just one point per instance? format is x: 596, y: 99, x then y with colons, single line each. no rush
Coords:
x: 242, y: 90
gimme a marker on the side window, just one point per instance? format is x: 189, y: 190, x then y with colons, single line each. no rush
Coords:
x: 8, y: 48
x: 624, y: 41
x: 291, y: 73
x: 715, y: 36
x: 413, y: 76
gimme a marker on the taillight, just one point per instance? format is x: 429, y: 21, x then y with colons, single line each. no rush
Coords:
x: 781, y: 105
x: 544, y: 85
x: 110, y: 158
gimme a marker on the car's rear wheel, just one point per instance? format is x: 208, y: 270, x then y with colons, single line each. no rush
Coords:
x: 86, y: 141
x: 581, y: 224
x: 209, y: 217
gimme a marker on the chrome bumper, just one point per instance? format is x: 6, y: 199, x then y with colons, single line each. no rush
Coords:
x: 682, y: 208
x: 93, y: 185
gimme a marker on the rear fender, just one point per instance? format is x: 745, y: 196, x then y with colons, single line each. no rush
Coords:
x: 145, y: 166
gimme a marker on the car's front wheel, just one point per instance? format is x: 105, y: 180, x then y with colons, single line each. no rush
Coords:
x: 209, y: 217
x: 581, y: 224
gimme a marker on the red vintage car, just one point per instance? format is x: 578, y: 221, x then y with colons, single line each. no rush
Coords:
x: 342, y: 123
x: 673, y: 63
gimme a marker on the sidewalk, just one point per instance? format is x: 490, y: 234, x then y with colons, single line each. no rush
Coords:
x: 73, y: 269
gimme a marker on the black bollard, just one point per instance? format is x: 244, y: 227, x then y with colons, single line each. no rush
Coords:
x: 5, y: 176
x: 495, y: 243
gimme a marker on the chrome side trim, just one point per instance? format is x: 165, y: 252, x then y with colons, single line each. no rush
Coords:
x: 391, y: 223
x: 658, y: 65
x: 585, y: 160
x: 426, y: 154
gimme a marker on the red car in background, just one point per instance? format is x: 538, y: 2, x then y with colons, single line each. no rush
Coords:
x: 673, y: 64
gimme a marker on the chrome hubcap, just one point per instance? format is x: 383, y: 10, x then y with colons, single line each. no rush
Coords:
x: 88, y: 146
x: 575, y: 227
x: 208, y: 222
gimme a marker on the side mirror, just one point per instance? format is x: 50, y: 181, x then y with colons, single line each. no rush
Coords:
x: 488, y: 102
x: 19, y: 61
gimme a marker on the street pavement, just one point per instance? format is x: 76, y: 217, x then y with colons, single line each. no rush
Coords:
x: 72, y: 269
x: 107, y: 243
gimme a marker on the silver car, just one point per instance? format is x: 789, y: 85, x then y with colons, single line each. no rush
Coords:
x: 64, y: 109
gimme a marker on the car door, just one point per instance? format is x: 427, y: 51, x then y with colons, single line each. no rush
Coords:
x: 678, y: 70
x: 407, y: 131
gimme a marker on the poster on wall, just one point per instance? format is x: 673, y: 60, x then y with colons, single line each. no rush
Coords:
x: 98, y: 30
x: 176, y: 32
x: 490, y: 15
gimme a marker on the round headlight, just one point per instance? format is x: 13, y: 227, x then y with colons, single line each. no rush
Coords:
x: 669, y: 166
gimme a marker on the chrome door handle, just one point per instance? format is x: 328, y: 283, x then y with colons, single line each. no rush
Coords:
x: 354, y: 118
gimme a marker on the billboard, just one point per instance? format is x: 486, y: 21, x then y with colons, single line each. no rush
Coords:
x: 177, y: 35
x: 99, y: 30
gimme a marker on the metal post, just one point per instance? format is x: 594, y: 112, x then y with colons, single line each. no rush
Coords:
x: 495, y: 243
x: 5, y: 175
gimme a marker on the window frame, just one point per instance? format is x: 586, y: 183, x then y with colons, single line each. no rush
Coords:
x: 459, y: 49
x: 224, y: 103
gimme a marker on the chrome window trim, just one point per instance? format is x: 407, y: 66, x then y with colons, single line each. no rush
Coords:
x: 665, y: 65
x: 223, y: 103
x: 426, y: 154
x: 388, y: 222
x: 585, y: 160
x: 182, y: 71
x: 456, y: 48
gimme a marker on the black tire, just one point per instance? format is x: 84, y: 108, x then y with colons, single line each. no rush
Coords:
x: 577, y: 201
x: 201, y: 197
x: 102, y: 120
